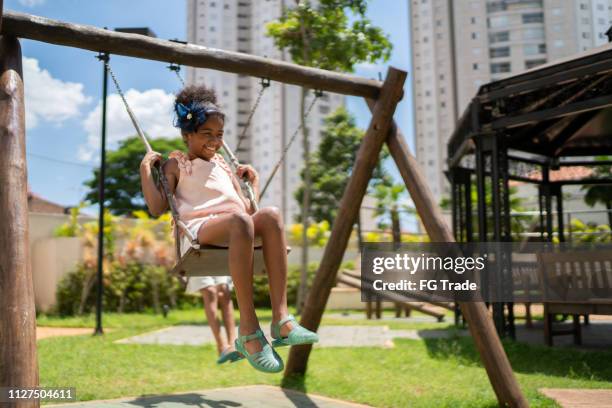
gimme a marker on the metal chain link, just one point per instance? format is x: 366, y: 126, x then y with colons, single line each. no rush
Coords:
x: 264, y: 84
x: 177, y: 68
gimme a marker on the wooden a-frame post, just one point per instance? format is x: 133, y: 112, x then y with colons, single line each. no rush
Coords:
x: 365, y: 162
x: 481, y: 327
x: 18, y: 362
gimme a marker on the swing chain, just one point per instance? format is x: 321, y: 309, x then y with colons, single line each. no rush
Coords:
x: 176, y: 68
x: 265, y: 82
x: 317, y: 94
x: 161, y: 176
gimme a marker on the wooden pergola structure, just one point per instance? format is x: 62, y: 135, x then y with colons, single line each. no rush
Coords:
x: 521, y: 128
x: 17, y: 315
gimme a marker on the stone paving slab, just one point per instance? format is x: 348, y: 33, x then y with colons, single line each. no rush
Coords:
x: 330, y: 336
x: 252, y: 396
x: 576, y: 398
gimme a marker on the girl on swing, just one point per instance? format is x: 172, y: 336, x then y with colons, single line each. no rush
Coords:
x: 211, y: 203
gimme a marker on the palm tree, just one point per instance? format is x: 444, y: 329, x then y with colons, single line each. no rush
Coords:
x: 389, y: 198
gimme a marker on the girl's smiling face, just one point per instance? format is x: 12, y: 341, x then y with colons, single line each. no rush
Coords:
x: 207, y: 140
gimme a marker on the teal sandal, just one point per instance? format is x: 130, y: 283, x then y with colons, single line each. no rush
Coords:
x: 266, y: 360
x: 231, y: 356
x: 297, y: 335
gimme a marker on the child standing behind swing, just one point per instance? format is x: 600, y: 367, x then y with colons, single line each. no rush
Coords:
x: 211, y: 203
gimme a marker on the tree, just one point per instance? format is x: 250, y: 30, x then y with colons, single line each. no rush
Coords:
x: 600, y: 193
x: 332, y: 164
x: 323, y: 37
x: 389, y: 197
x: 123, y: 193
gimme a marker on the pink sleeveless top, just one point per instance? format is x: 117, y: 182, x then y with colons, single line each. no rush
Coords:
x: 208, y: 190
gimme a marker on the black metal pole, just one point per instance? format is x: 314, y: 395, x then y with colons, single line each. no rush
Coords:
x: 104, y: 57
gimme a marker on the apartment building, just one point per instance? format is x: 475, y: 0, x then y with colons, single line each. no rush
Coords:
x: 459, y: 45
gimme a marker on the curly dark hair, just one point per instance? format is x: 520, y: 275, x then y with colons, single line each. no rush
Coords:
x: 197, y: 95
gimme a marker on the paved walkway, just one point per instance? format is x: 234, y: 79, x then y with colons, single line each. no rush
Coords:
x: 254, y: 396
x: 330, y: 336
x: 44, y: 332
x: 572, y: 398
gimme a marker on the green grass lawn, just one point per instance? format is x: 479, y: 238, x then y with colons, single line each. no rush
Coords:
x: 441, y: 372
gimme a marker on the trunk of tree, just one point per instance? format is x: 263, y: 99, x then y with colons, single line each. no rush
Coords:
x: 609, y: 208
x: 303, y: 288
x: 88, y: 283
x: 396, y: 228
x: 155, y: 287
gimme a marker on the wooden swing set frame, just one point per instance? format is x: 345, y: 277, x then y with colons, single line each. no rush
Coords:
x: 18, y: 356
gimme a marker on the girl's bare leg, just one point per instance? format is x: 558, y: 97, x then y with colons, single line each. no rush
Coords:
x: 236, y: 231
x: 269, y: 225
x: 209, y: 295
x: 227, y: 311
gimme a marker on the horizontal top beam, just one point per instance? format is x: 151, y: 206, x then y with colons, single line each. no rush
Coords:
x: 134, y: 45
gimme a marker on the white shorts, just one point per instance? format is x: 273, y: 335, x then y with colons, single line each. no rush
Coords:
x: 196, y: 283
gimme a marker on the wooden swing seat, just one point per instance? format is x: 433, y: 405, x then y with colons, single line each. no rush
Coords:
x: 210, y: 260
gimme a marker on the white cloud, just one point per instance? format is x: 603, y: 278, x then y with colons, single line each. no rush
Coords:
x: 152, y: 108
x: 48, y: 98
x: 31, y: 3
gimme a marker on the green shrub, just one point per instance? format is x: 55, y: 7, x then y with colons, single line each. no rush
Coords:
x: 130, y: 287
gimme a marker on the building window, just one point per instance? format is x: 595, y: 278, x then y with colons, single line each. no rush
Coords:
x: 473, y: 20
x: 533, y: 18
x: 600, y: 7
x: 474, y: 36
x: 475, y: 67
x: 499, y: 68
x: 534, y: 63
x: 498, y: 22
x: 557, y: 12
x: 586, y: 35
x: 583, y: 6
x: 533, y: 34
x: 499, y: 52
x: 500, y: 36
x: 559, y: 43
x: 534, y: 49
x: 494, y: 6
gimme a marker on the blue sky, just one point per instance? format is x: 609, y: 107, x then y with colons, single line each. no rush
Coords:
x: 63, y: 85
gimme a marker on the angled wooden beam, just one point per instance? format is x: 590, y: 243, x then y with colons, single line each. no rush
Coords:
x: 481, y: 326
x: 366, y: 160
x: 18, y: 364
x: 140, y: 46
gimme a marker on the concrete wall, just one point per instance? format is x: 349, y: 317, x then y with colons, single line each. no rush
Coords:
x: 50, y: 258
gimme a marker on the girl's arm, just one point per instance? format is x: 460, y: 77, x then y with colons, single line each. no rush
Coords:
x: 153, y: 194
x: 247, y: 202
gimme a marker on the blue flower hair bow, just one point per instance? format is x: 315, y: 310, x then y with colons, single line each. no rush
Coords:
x: 192, y: 115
